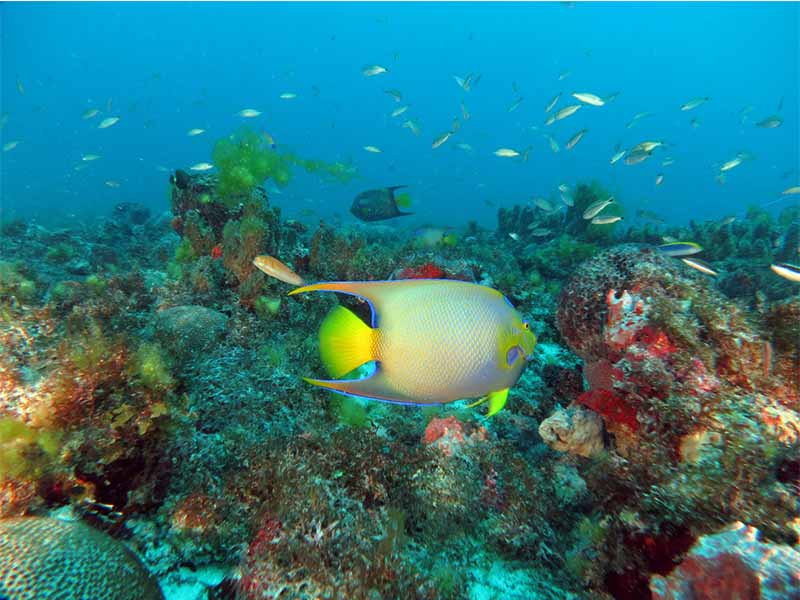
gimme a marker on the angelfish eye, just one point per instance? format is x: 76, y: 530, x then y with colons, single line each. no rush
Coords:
x: 526, y: 325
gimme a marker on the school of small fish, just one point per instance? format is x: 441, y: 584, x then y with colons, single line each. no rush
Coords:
x: 557, y: 107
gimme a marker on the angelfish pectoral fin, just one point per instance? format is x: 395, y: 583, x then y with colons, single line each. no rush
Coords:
x: 497, y: 400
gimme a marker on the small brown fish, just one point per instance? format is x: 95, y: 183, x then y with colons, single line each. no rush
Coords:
x: 275, y: 268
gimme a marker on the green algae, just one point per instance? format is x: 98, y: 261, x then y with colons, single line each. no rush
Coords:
x: 151, y: 368
x: 350, y: 411
x: 24, y: 451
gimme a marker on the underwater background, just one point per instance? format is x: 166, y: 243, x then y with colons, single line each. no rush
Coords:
x: 626, y: 175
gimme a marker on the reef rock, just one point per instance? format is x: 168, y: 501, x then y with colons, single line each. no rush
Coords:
x: 575, y: 430
x: 699, y: 405
x: 733, y: 564
x: 186, y: 329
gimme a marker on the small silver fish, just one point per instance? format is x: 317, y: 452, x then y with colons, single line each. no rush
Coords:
x: 396, y: 94
x: 89, y: 113
x: 636, y: 157
x: 248, y: 113
x: 617, y: 156
x: 659, y: 179
x: 539, y: 231
x: 734, y: 162
x: 771, y: 122
x: 399, y: 110
x: 195, y: 131
x: 373, y: 149
x: 514, y: 236
x: 506, y: 153
x: 647, y: 146
x: 412, y: 125
x: 374, y: 70
x: 515, y: 105
x: 288, y: 96
x: 567, y: 111
x: 588, y: 98
x: 553, y: 143
x: 700, y: 265
x: 576, y: 138
x: 596, y: 208
x: 203, y: 166
x: 441, y: 139
x: 605, y: 220
x: 108, y: 122
x: 787, y: 271
x: 552, y: 102
x: 695, y: 103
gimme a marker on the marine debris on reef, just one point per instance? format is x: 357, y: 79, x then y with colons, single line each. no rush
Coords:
x: 151, y: 367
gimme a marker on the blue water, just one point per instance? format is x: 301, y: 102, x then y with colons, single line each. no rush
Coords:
x: 167, y: 68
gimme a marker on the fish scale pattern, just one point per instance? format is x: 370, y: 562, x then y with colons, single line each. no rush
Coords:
x: 49, y: 559
x: 448, y: 350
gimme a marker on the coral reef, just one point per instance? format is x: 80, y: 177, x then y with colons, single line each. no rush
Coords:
x: 150, y: 378
x: 698, y: 424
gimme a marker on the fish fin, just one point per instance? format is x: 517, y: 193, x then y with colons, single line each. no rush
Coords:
x: 497, y: 400
x: 478, y: 402
x: 345, y: 341
x: 395, y: 187
x: 403, y: 214
x: 402, y: 200
x: 374, y: 387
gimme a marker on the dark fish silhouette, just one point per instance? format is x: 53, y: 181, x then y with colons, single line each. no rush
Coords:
x: 380, y: 204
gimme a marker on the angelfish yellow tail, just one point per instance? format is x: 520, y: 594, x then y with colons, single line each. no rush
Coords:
x: 345, y: 342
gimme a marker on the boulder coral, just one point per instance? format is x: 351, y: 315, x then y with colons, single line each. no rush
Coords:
x: 48, y: 558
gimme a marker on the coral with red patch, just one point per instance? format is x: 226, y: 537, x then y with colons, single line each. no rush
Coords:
x: 216, y: 251
x: 256, y: 576
x: 609, y: 406
x: 448, y: 434
x: 425, y: 271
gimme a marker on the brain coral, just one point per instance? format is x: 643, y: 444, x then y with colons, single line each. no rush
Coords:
x: 42, y: 558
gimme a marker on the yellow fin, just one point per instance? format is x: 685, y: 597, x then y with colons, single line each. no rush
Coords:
x: 345, y: 342
x: 497, y: 400
x: 478, y: 402
x: 403, y: 200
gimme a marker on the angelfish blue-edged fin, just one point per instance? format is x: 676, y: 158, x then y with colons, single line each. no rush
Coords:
x: 374, y: 387
x: 497, y: 400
